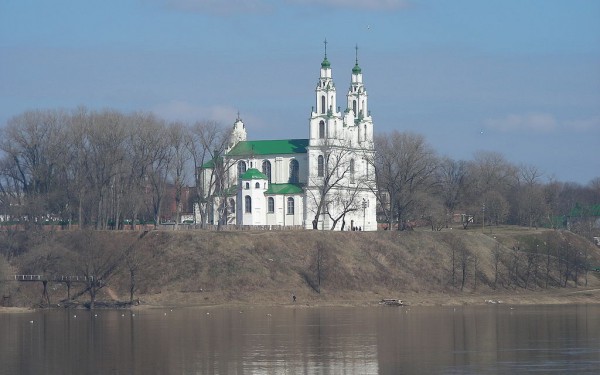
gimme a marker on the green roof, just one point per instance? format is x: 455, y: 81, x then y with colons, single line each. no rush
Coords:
x: 284, y: 189
x: 283, y: 146
x: 210, y: 164
x: 325, y: 64
x: 356, y: 69
x: 253, y: 174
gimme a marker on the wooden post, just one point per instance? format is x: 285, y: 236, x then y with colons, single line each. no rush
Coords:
x: 45, y: 292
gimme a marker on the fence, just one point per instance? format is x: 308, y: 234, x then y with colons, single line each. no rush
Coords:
x: 211, y: 227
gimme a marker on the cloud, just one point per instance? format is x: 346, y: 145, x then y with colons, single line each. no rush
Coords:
x: 584, y: 125
x: 536, y: 122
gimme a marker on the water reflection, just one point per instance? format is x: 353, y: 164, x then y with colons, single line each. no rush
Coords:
x: 299, y: 340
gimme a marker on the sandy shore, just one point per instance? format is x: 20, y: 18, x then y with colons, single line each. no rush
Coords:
x: 517, y: 297
x: 15, y: 309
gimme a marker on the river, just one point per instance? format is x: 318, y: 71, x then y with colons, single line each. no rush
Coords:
x: 491, y: 339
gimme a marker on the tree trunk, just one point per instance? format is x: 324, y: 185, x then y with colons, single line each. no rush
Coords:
x: 131, y: 284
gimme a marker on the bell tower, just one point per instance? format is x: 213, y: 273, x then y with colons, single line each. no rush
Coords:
x: 238, y: 133
x: 357, y: 95
x: 324, y: 113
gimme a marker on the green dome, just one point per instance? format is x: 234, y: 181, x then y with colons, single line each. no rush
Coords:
x: 325, y: 64
x: 356, y: 69
x: 253, y: 174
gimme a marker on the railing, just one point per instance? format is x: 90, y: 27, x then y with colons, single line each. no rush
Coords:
x: 212, y: 227
x: 65, y: 279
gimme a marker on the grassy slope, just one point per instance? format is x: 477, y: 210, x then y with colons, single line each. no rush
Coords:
x: 199, y: 268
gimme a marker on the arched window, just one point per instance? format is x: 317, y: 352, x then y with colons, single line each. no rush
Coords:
x: 294, y: 170
x: 320, y: 166
x: 241, y: 168
x: 248, y: 204
x: 231, y: 208
x: 266, y: 169
x: 321, y: 129
x: 351, y: 171
x: 270, y: 205
x: 354, y: 107
x: 257, y: 185
x: 323, y: 104
x: 247, y: 185
x: 290, y: 206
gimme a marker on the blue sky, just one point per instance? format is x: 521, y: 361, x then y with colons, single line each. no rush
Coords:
x: 521, y: 77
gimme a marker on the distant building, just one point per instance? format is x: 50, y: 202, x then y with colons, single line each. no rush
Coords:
x: 325, y: 181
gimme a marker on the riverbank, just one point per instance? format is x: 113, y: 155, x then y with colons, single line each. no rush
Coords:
x: 15, y: 309
x: 265, y: 268
x: 514, y: 298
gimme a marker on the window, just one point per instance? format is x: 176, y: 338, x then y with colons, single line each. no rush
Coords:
x: 323, y: 104
x: 321, y: 129
x: 320, y: 166
x: 247, y: 185
x: 266, y: 169
x: 351, y: 171
x: 290, y: 206
x: 231, y: 208
x: 248, y: 204
x: 257, y: 185
x: 294, y: 170
x: 271, y: 205
x: 354, y: 107
x: 241, y: 168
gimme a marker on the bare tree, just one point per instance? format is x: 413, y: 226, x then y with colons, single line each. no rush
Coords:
x: 345, y: 201
x: 551, y: 193
x: 496, y: 257
x: 451, y: 179
x: 490, y: 178
x: 135, y: 261
x: 104, y: 154
x: 33, y: 144
x: 159, y: 166
x: 208, y: 147
x: 95, y: 258
x: 530, y: 203
x: 337, y: 184
x: 434, y: 212
x: 465, y: 258
x: 179, y: 141
x: 516, y: 259
x: 146, y: 147
x: 405, y: 165
x: 319, y: 266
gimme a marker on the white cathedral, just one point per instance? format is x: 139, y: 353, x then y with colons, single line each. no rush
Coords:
x: 324, y: 182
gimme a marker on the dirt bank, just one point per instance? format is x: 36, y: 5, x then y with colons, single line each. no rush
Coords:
x: 201, y: 268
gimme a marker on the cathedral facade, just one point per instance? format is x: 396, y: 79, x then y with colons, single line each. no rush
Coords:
x: 324, y: 182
